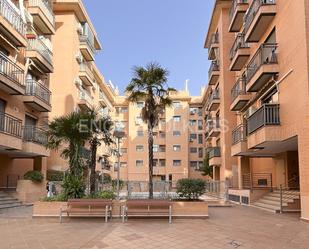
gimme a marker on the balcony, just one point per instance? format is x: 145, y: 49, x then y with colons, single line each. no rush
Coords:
x: 11, y: 76
x: 213, y: 73
x: 87, y: 47
x: 258, y: 18
x: 12, y: 25
x: 213, y: 46
x: 37, y: 96
x: 43, y: 16
x: 239, y: 95
x: 85, y: 100
x: 263, y: 126
x: 213, y: 128
x: 214, y: 155
x: 214, y: 100
x: 239, y: 140
x: 240, y: 53
x: 86, y: 74
x: 10, y: 132
x: 40, y: 54
x: 237, y: 13
x: 34, y: 141
x: 262, y: 67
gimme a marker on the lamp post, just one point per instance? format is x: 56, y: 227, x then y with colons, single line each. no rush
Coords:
x: 118, y: 134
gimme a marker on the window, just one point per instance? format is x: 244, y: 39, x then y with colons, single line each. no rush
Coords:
x: 138, y: 120
x: 139, y: 148
x: 162, y: 134
x: 176, y: 104
x: 200, y: 152
x: 193, y: 110
x: 123, y: 164
x: 140, y: 104
x: 120, y: 125
x: 140, y: 133
x: 155, y: 148
x: 200, y: 138
x: 121, y: 110
x: 200, y: 111
x: 155, y: 162
x: 192, y: 122
x: 200, y: 164
x: 162, y: 121
x: 123, y: 150
x: 139, y: 163
x: 193, y: 150
x: 200, y: 124
x: 176, y: 147
x: 271, y: 98
x: 162, y: 162
x: 162, y: 148
x: 176, y: 162
x: 177, y: 118
x: 193, y: 136
x: 176, y: 133
x: 193, y: 164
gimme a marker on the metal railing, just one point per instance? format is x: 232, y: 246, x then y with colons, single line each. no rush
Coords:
x: 266, y: 54
x: 34, y: 134
x: 214, y: 66
x: 12, y: 16
x: 45, y: 6
x: 11, y: 70
x: 238, y: 44
x: 218, y: 189
x: 35, y: 88
x: 214, y: 39
x: 239, y: 88
x: 257, y: 181
x: 214, y: 152
x: 239, y: 134
x: 38, y: 45
x: 89, y: 41
x: 87, y: 68
x: 10, y: 125
x: 83, y: 95
x: 234, y: 6
x: 215, y: 95
x: 268, y: 114
x: 253, y: 10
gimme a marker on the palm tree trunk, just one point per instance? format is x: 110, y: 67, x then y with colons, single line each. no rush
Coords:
x: 150, y: 151
x: 93, y: 145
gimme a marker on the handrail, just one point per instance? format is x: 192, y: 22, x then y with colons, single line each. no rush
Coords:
x: 239, y: 134
x: 38, y: 45
x: 11, y: 70
x: 35, y: 88
x: 267, y: 114
x: 10, y: 125
x: 253, y: 9
x: 214, y: 66
x: 214, y: 152
x: 239, y: 42
x: 234, y: 6
x: 45, y: 6
x: 239, y: 88
x: 12, y: 16
x: 34, y: 134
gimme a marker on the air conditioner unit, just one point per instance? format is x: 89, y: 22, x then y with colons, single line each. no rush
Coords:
x: 79, y: 58
x: 80, y: 29
x: 78, y: 82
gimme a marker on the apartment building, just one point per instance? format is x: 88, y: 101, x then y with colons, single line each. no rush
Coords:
x: 26, y: 62
x: 263, y: 74
x: 178, y: 143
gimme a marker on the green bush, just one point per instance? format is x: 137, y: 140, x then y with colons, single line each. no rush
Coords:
x: 73, y: 187
x: 60, y: 197
x: 35, y: 176
x: 190, y: 188
x: 105, y: 194
x: 114, y: 184
x: 54, y: 175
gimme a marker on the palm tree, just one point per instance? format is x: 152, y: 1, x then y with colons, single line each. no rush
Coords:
x: 64, y: 133
x: 149, y: 85
x: 99, y: 130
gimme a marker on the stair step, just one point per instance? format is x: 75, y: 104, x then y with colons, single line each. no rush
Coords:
x: 267, y: 206
x: 271, y: 202
x: 291, y: 196
x: 277, y: 199
x: 10, y: 205
x: 9, y: 202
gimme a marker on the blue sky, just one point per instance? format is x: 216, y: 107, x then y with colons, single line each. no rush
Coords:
x: 135, y: 32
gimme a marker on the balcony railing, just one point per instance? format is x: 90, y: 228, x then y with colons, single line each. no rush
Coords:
x: 10, y: 70
x: 39, y: 46
x: 238, y: 43
x: 89, y: 41
x: 239, y: 134
x: 214, y: 152
x: 86, y: 67
x: 45, y: 6
x: 268, y: 114
x: 265, y: 55
x: 215, y: 95
x: 34, y: 134
x: 13, y: 16
x: 234, y: 6
x: 10, y: 125
x: 253, y: 9
x: 214, y: 66
x: 239, y: 88
x: 214, y: 39
x: 34, y: 88
x: 83, y: 95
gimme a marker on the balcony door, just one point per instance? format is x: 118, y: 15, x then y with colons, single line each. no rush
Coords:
x: 2, y: 117
x: 29, y: 130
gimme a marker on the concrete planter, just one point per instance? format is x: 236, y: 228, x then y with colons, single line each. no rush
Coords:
x: 181, y: 209
x: 28, y: 191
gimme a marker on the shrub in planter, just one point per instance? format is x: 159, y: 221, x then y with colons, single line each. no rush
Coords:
x: 35, y: 176
x: 73, y: 187
x: 105, y: 194
x: 190, y: 188
x: 61, y: 198
x: 54, y: 175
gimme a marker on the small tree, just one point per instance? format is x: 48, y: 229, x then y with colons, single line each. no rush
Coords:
x: 190, y: 188
x: 206, y: 169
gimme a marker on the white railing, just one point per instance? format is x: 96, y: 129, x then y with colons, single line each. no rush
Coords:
x: 39, y: 46
x: 45, y: 6
x: 13, y: 16
x: 83, y: 95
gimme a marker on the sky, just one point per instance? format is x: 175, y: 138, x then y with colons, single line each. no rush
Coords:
x: 136, y: 32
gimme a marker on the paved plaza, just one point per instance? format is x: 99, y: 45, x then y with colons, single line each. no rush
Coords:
x: 227, y: 227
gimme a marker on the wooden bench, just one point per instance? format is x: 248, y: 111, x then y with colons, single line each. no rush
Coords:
x: 147, y: 208
x: 87, y: 208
